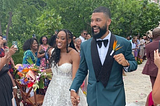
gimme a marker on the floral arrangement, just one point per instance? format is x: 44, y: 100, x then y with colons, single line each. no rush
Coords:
x: 115, y: 47
x: 31, y: 75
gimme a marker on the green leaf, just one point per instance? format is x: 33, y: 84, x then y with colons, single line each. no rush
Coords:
x: 30, y: 60
x: 41, y: 83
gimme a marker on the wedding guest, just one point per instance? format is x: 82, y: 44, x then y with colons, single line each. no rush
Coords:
x: 6, y: 85
x: 88, y: 36
x: 156, y: 87
x: 52, y: 44
x: 11, y: 62
x: 78, y: 42
x: 83, y: 35
x: 74, y: 38
x: 141, y: 47
x: 150, y: 68
x: 42, y: 50
x: 30, y: 47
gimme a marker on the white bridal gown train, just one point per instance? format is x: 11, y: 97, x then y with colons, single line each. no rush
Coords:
x: 58, y: 93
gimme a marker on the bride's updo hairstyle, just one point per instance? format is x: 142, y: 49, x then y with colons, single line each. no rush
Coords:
x: 55, y: 56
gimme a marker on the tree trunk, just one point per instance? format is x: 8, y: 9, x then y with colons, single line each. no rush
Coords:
x: 9, y: 24
x: 0, y: 29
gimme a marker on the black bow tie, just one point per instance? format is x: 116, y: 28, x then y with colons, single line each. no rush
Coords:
x: 99, y: 42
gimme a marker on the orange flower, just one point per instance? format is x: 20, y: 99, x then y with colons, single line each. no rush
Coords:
x: 20, y: 74
x: 25, y: 80
x: 25, y: 70
x: 114, y: 44
x: 115, y: 47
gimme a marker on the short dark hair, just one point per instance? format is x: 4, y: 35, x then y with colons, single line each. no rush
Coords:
x: 28, y: 44
x: 83, y: 31
x: 104, y: 10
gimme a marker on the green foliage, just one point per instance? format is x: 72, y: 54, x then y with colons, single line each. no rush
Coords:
x: 18, y: 57
x: 43, y: 17
x: 48, y: 22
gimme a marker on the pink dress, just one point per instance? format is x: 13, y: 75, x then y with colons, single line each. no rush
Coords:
x: 43, y: 60
x: 150, y: 101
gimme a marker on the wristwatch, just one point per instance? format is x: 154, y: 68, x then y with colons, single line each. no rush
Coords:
x: 15, y: 87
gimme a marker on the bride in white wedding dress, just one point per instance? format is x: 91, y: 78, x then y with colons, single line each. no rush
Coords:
x: 65, y: 61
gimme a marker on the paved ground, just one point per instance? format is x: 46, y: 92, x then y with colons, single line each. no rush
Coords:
x: 137, y: 87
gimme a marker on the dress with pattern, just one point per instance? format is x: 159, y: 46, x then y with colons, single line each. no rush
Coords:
x: 58, y: 93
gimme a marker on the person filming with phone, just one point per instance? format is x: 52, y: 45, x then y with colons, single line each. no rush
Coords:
x: 6, y: 81
x: 150, y: 68
x: 156, y: 87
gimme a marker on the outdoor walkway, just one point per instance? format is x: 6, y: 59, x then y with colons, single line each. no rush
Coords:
x: 137, y: 87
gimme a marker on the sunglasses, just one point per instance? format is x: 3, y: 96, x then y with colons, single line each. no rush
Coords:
x: 85, y: 33
x: 44, y: 40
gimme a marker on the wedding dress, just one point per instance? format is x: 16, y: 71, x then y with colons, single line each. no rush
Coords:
x: 58, y: 93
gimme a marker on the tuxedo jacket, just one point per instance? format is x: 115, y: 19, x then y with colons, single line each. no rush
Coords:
x: 150, y: 68
x: 113, y: 93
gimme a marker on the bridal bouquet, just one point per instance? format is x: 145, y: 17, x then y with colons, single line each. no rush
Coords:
x: 31, y: 75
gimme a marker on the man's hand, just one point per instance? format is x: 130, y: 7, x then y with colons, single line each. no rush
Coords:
x: 75, y: 99
x: 121, y: 59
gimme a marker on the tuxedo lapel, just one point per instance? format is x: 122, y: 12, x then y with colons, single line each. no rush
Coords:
x: 107, y: 66
x: 95, y: 58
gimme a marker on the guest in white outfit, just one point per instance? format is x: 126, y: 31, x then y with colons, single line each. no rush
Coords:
x: 83, y: 35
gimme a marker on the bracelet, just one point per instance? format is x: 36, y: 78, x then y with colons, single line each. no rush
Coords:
x: 15, y: 87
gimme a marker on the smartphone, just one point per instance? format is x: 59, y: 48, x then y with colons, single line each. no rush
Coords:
x: 15, y: 44
x: 159, y: 47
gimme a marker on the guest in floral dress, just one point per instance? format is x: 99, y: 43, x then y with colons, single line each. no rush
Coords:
x: 41, y: 51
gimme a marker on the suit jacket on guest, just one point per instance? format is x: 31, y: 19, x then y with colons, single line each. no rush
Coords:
x: 150, y: 68
x: 97, y: 94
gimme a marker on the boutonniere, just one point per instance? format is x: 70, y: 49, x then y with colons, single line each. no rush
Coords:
x: 115, y: 47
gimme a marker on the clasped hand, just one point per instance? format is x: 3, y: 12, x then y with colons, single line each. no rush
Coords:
x: 75, y: 99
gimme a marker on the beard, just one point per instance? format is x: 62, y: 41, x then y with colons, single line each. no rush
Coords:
x: 102, y: 31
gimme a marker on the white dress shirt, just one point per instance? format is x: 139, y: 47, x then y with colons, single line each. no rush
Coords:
x: 103, y: 50
x: 82, y: 39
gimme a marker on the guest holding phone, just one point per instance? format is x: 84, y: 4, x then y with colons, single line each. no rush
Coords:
x: 156, y: 87
x: 6, y: 84
x: 150, y: 68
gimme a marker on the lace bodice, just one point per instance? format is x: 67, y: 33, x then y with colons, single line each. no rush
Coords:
x: 58, y: 90
x: 64, y: 70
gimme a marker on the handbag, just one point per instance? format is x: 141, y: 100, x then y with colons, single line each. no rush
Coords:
x: 41, y: 51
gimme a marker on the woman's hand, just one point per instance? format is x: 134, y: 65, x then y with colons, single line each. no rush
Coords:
x: 12, y: 50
